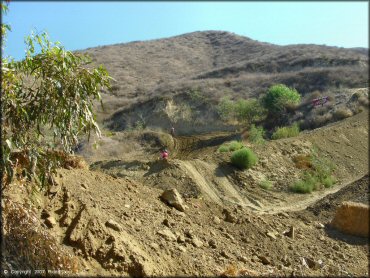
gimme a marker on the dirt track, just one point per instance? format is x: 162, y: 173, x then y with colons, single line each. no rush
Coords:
x: 116, y: 224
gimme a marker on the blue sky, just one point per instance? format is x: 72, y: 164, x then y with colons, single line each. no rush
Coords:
x: 79, y: 25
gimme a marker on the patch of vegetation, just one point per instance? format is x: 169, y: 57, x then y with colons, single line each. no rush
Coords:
x: 279, y: 97
x: 286, y: 132
x: 50, y: 89
x: 223, y: 149
x: 249, y: 110
x: 196, y: 95
x: 242, y: 110
x: 235, y: 145
x: 256, y: 134
x: 318, y: 173
x: 266, y: 184
x: 342, y: 113
x: 244, y: 158
x: 303, y: 161
x: 328, y: 181
x: 305, y: 185
x: 231, y: 146
x: 225, y: 109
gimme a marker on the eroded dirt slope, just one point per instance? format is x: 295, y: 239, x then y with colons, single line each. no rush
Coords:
x: 119, y: 227
x: 116, y: 224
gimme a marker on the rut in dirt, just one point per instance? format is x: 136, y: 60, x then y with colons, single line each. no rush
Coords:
x: 211, y: 180
x: 198, y: 145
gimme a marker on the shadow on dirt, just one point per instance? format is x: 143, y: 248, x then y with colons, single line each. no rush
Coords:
x: 224, y: 169
x: 193, y: 146
x: 157, y: 166
x: 135, y: 164
x: 349, y: 239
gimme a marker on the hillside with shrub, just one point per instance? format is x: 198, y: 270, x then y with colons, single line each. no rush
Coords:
x: 215, y: 65
x: 256, y: 169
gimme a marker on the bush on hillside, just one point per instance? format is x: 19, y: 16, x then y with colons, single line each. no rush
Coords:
x: 328, y: 181
x: 286, y: 132
x: 242, y: 110
x: 223, y: 149
x: 318, y: 173
x: 303, y: 161
x: 249, y: 110
x: 303, y: 186
x: 231, y: 146
x: 244, y: 158
x: 279, y: 97
x: 235, y: 145
x: 266, y: 184
x: 257, y: 134
x: 225, y: 109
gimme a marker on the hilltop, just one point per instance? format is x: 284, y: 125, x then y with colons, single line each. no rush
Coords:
x: 222, y: 64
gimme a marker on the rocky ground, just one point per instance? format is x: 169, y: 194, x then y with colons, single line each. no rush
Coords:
x: 220, y: 221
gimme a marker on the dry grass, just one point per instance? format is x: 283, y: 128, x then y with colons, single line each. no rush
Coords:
x: 27, y: 240
x: 342, y: 113
x: 230, y: 270
x: 223, y: 63
x: 303, y: 161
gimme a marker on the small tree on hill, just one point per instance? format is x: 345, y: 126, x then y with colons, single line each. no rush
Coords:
x: 277, y: 101
x: 279, y: 97
x: 49, y: 92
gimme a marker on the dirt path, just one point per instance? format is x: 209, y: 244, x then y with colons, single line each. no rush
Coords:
x: 303, y: 201
x: 213, y: 183
x: 207, y: 190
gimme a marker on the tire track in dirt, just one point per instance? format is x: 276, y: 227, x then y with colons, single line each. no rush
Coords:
x: 207, y: 190
x: 218, y: 189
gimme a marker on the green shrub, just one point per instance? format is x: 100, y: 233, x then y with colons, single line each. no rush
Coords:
x: 302, y: 186
x: 235, y: 145
x: 318, y: 174
x: 244, y: 158
x: 329, y: 181
x: 231, y: 146
x: 266, y: 184
x: 256, y: 134
x: 322, y: 167
x: 243, y: 110
x: 286, y: 132
x: 248, y: 110
x: 279, y: 97
x: 223, y: 149
x: 225, y: 109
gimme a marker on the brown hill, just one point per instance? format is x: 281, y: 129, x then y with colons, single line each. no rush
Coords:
x: 221, y: 63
